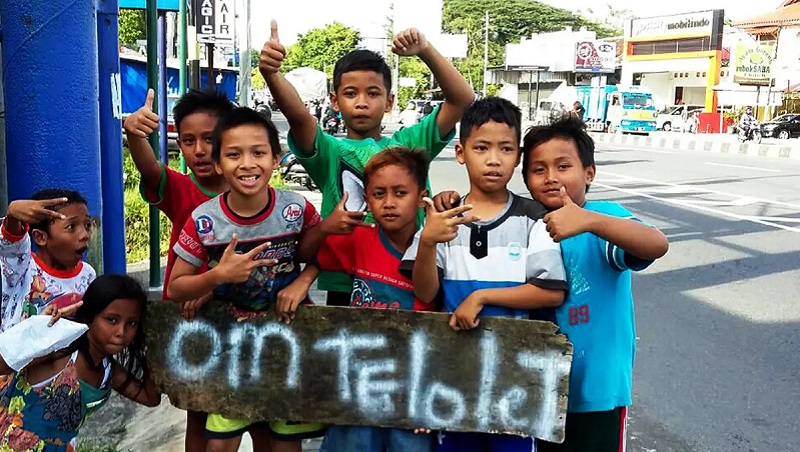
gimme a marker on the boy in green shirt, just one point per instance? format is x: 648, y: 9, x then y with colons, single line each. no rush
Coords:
x: 362, y: 85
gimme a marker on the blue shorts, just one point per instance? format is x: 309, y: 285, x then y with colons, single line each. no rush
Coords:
x: 375, y: 439
x: 483, y: 442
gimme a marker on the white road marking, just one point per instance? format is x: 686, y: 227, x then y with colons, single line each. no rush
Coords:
x: 778, y: 219
x: 623, y: 179
x: 755, y: 168
x: 691, y: 205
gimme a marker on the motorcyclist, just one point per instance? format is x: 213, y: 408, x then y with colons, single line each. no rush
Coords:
x: 747, y: 120
x: 331, y: 114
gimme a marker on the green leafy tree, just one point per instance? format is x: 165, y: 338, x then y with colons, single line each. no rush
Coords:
x: 131, y: 26
x: 321, y: 47
x: 255, y: 54
x: 509, y: 20
x: 257, y: 80
x: 414, y: 68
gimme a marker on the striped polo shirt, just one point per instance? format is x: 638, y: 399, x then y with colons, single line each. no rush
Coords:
x: 512, y: 249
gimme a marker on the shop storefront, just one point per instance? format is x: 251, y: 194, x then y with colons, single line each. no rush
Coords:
x: 678, y: 57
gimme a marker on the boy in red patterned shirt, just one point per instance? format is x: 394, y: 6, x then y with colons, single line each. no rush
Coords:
x: 395, y: 182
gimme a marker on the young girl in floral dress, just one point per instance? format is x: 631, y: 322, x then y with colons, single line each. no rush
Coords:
x: 43, y: 404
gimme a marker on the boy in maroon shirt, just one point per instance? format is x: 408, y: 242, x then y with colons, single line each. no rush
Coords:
x: 177, y: 195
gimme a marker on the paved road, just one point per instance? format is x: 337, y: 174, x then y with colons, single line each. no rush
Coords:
x: 718, y: 318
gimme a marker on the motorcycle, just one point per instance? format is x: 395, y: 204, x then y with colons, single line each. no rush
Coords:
x: 292, y: 171
x: 332, y: 125
x: 751, y: 133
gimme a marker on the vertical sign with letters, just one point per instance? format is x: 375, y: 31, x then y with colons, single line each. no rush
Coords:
x: 214, y: 19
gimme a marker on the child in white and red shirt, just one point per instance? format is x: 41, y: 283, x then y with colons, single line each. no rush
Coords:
x: 58, y: 222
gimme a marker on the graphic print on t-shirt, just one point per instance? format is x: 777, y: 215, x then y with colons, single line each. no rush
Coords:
x: 351, y: 181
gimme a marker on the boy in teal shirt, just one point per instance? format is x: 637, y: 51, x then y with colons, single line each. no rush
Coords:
x: 362, y: 85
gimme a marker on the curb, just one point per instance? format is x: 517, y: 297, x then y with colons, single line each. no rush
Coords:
x: 694, y: 143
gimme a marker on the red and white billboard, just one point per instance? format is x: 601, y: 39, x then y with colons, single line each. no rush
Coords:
x: 595, y: 56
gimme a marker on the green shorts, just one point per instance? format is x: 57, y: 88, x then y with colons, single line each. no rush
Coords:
x: 220, y: 427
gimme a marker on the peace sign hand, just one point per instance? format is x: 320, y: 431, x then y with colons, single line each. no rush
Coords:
x: 31, y: 211
x: 442, y: 227
x: 237, y: 268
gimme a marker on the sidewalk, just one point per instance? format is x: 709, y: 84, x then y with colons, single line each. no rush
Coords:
x: 717, y: 143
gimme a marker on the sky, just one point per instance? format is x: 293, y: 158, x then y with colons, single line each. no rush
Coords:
x: 369, y: 16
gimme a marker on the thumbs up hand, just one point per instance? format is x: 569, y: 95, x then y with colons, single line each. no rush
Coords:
x: 143, y: 122
x: 568, y: 221
x: 272, y: 54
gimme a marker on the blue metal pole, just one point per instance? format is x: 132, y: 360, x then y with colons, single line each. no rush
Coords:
x: 114, y: 250
x: 161, y: 95
x: 51, y: 92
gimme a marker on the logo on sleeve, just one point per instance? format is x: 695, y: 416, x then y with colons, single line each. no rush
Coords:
x: 292, y: 212
x: 204, y: 224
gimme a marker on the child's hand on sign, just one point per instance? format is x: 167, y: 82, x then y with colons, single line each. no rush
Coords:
x: 190, y: 308
x: 290, y: 298
x: 466, y: 316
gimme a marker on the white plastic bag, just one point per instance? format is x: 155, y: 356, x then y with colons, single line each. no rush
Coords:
x: 32, y: 338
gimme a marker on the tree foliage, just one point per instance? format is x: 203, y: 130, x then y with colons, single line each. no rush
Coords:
x: 509, y: 20
x: 412, y: 67
x: 257, y: 80
x: 131, y: 26
x: 321, y: 47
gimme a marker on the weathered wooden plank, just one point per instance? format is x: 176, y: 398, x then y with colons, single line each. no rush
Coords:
x: 352, y: 366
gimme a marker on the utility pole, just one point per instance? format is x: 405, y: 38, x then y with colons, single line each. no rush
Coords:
x: 486, y: 53
x: 245, y: 71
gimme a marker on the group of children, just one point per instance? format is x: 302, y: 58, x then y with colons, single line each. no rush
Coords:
x: 383, y: 244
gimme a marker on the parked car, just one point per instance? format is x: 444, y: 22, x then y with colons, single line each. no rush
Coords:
x: 675, y: 117
x: 783, y: 127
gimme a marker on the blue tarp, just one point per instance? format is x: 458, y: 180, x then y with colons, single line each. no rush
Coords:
x: 133, y: 78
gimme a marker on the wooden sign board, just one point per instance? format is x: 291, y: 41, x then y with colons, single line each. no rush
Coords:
x: 354, y: 366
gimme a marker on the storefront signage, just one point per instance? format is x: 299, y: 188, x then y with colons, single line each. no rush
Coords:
x: 596, y: 56
x: 754, y: 64
x: 697, y: 23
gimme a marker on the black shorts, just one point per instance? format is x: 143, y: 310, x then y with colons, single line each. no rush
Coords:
x: 338, y: 299
x: 597, y: 431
